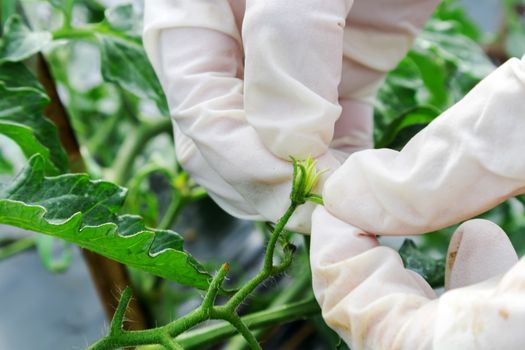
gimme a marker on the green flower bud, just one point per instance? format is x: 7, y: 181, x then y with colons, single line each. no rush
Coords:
x: 305, y: 177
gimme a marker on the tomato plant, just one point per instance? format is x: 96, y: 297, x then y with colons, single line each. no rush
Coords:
x: 87, y: 157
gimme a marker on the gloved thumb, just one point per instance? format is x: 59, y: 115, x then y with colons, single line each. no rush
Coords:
x: 478, y: 250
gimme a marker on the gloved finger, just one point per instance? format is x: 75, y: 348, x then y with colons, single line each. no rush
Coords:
x: 292, y: 69
x: 365, y: 293
x: 201, y: 80
x: 488, y: 315
x: 354, y: 129
x: 373, y: 302
x: 376, y: 37
x: 221, y: 16
x: 478, y: 250
x: 219, y: 190
x: 465, y: 162
x: 162, y: 14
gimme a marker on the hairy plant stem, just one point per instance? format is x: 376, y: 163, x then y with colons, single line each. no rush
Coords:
x: 196, y: 339
x: 286, y: 296
x: 117, y: 337
x: 118, y: 317
x: 304, y: 179
x: 267, y: 270
x: 241, y: 327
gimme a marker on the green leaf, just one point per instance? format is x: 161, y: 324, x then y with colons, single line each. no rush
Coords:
x: 398, y: 94
x: 454, y: 12
x: 441, y: 38
x: 141, y: 198
x: 8, y: 7
x: 124, y: 63
x: 6, y: 167
x: 433, y: 73
x: 58, y: 4
x: 406, y: 126
x: 84, y: 212
x: 443, y: 65
x: 122, y: 18
x: 431, y: 269
x: 21, y: 119
x: 19, y: 42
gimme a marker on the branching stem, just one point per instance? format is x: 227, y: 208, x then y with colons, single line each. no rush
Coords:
x: 267, y: 270
x: 166, y: 336
x: 198, y: 338
x: 117, y: 337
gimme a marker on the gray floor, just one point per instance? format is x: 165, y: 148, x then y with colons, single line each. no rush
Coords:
x: 44, y: 311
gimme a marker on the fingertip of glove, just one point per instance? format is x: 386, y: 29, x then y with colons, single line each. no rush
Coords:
x: 479, y: 249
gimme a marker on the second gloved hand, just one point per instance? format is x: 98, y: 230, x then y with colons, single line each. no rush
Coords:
x: 467, y: 161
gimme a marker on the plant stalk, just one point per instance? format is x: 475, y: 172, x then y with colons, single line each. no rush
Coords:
x: 177, y: 203
x: 249, y: 287
x: 196, y: 339
x: 16, y: 247
x: 303, y: 182
x: 288, y: 294
x: 133, y: 145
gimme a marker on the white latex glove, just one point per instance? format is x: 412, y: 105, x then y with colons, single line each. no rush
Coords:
x: 468, y: 160
x: 296, y: 80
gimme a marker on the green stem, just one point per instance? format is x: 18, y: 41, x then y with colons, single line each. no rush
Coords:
x: 85, y: 33
x: 287, y: 295
x: 8, y: 8
x: 241, y: 327
x: 90, y: 31
x: 127, y: 339
x: 215, y: 286
x: 117, y: 322
x: 68, y: 13
x: 196, y: 339
x: 208, y: 335
x: 268, y: 258
x: 207, y: 309
x: 133, y: 145
x: 170, y: 344
x: 97, y: 143
x: 16, y: 247
x: 149, y: 336
x: 228, y: 312
x: 249, y: 287
x: 177, y: 203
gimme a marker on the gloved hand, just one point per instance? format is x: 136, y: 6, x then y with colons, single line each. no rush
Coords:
x: 293, y: 81
x: 465, y: 162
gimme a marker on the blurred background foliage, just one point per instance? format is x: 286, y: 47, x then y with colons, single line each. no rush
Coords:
x: 120, y: 118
